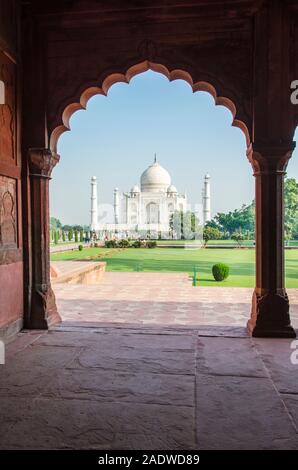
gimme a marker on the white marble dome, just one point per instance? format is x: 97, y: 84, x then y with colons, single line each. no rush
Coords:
x: 155, y: 179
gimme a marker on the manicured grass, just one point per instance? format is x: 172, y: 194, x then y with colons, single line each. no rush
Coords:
x: 211, y: 242
x: 241, y: 262
x: 87, y: 254
x: 65, y: 243
x: 291, y: 243
x: 177, y: 242
x: 230, y: 242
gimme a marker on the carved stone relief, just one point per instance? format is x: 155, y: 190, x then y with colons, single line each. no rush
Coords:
x: 8, y: 219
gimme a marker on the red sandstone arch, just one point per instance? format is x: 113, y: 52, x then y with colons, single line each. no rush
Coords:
x: 137, y: 69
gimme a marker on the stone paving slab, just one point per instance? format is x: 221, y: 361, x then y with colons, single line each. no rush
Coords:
x: 136, y: 359
x: 291, y: 403
x: 242, y: 413
x: 277, y: 359
x: 123, y: 387
x: 229, y: 356
x: 82, y: 424
x: 148, y: 388
x: 164, y: 299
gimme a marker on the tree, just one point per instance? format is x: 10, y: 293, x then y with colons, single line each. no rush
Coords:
x: 210, y: 233
x: 238, y: 237
x: 76, y: 234
x: 78, y: 228
x: 234, y: 221
x: 56, y: 237
x: 55, y: 223
x: 81, y: 236
x: 70, y: 235
x: 63, y: 236
x: 291, y: 208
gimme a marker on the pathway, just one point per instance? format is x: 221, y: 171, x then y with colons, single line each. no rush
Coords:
x: 157, y: 299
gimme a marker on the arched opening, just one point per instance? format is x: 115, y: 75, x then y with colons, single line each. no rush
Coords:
x: 152, y: 212
x: 291, y: 221
x: 114, y: 78
x: 173, y: 199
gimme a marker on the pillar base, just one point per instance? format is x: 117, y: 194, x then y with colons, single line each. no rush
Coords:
x: 44, y: 313
x: 270, y: 331
x: 270, y: 316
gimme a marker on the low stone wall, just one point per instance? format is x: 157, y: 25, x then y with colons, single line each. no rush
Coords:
x: 78, y: 273
x: 66, y: 247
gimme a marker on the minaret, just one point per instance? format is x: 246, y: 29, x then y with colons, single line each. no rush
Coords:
x: 116, y: 205
x: 206, y: 200
x: 94, y: 213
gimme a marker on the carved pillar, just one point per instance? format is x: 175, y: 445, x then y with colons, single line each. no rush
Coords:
x: 43, y: 312
x: 270, y: 308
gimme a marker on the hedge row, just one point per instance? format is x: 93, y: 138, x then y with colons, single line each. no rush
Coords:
x: 130, y: 244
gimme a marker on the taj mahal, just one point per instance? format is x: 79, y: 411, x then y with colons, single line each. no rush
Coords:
x: 147, y: 208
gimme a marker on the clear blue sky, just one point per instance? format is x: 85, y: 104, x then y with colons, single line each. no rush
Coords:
x: 116, y: 137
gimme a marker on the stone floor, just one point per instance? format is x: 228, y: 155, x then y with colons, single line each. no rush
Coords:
x: 134, y: 299
x: 146, y: 361
x: 148, y: 388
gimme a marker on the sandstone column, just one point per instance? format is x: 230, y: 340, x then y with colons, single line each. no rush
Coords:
x: 270, y: 309
x: 43, y: 310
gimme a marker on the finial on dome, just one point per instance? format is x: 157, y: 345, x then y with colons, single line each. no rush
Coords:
x: 155, y: 158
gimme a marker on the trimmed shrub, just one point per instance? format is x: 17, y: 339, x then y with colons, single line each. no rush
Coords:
x: 137, y: 244
x: 56, y: 237
x: 81, y: 247
x: 123, y: 243
x: 211, y: 233
x: 151, y: 244
x: 111, y: 244
x: 220, y: 271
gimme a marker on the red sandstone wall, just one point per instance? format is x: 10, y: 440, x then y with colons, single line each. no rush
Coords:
x: 11, y: 298
x: 11, y: 254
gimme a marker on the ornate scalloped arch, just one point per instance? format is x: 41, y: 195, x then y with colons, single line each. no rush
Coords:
x: 139, y: 68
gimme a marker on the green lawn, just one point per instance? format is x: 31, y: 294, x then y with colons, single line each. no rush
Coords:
x: 211, y: 242
x: 241, y: 262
